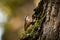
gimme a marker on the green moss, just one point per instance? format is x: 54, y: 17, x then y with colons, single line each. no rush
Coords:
x: 32, y: 29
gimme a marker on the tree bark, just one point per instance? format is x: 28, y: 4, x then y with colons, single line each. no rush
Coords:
x: 48, y: 15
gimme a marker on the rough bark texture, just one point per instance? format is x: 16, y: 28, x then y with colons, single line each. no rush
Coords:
x: 47, y: 22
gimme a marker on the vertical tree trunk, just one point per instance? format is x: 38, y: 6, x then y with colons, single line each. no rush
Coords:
x: 48, y: 15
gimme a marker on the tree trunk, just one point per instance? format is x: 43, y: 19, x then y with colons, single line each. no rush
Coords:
x: 47, y: 21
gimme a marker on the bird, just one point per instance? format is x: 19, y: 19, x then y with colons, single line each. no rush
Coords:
x: 28, y: 22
